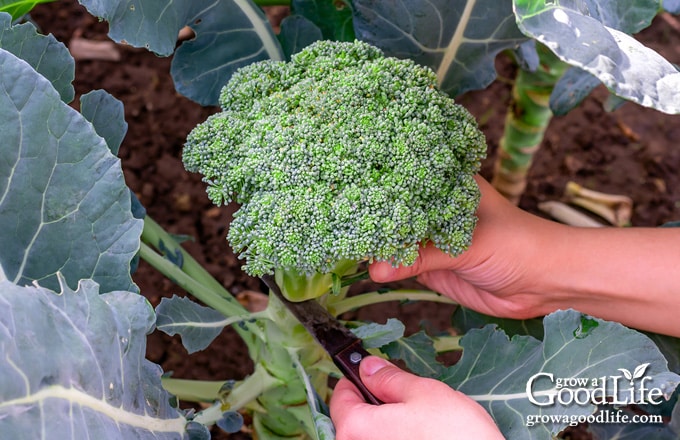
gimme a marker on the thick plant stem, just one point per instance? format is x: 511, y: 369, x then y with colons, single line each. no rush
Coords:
x: 525, y: 124
x: 273, y: 392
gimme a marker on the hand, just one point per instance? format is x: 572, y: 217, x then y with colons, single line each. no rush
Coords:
x: 414, y: 408
x: 522, y: 266
x: 498, y: 275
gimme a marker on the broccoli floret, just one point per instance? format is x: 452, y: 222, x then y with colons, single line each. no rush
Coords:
x: 338, y: 156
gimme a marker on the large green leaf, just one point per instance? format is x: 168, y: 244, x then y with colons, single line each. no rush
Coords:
x: 495, y: 370
x: 458, y: 39
x: 73, y: 367
x: 44, y: 53
x: 229, y: 35
x: 64, y: 206
x: 593, y: 36
x: 19, y: 8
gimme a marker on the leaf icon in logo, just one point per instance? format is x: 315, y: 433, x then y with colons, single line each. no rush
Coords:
x: 626, y: 374
x: 637, y: 373
x: 640, y: 370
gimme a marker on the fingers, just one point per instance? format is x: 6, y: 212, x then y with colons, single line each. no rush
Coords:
x: 388, y: 382
x: 345, y: 400
x: 429, y: 258
x: 354, y: 418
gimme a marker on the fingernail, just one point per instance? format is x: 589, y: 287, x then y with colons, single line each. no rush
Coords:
x: 372, y: 364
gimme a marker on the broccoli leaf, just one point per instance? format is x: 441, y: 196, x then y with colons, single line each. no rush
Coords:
x: 465, y: 319
x: 89, y: 379
x: 229, y: 34
x: 374, y: 335
x: 457, y: 39
x: 197, y: 325
x: 418, y: 352
x: 571, y: 89
x: 495, y: 370
x: 107, y: 115
x: 19, y: 8
x: 296, y: 33
x: 334, y: 18
x: 44, y: 53
x: 64, y: 206
x: 670, y: 347
x: 625, y: 66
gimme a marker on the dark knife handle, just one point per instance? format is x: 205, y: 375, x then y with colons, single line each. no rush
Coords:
x: 348, y: 360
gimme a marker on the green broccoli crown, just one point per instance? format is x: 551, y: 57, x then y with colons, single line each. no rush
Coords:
x: 340, y: 154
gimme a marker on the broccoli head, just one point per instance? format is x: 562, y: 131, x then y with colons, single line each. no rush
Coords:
x: 338, y: 156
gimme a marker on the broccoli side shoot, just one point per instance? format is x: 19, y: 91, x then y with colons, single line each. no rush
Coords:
x: 340, y: 155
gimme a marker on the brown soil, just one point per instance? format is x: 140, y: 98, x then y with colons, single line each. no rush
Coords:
x: 630, y: 151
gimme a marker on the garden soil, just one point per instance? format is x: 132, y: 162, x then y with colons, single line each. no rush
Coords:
x: 632, y: 151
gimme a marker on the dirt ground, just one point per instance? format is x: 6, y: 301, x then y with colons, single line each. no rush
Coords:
x: 630, y: 151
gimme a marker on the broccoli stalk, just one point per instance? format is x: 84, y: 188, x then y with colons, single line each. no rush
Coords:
x: 339, y: 156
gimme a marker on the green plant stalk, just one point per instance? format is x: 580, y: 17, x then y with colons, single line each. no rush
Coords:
x: 442, y: 344
x: 183, y: 280
x: 274, y: 392
x: 193, y: 390
x: 297, y: 286
x: 285, y: 412
x: 525, y: 124
x: 157, y: 237
x: 369, y: 298
x: 193, y: 278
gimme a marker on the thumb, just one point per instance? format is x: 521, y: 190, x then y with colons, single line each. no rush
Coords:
x: 388, y: 382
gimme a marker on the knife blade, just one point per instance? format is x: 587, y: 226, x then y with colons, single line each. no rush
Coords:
x: 339, y: 342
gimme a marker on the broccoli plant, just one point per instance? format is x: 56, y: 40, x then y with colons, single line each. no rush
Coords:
x: 339, y: 156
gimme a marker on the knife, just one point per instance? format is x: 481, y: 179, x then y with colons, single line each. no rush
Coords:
x: 341, y: 344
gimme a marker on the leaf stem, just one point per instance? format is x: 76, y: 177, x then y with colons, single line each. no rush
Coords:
x: 243, y: 393
x: 365, y: 299
x: 157, y: 237
x: 183, y: 280
x: 443, y: 344
x: 191, y: 390
x: 351, y: 279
